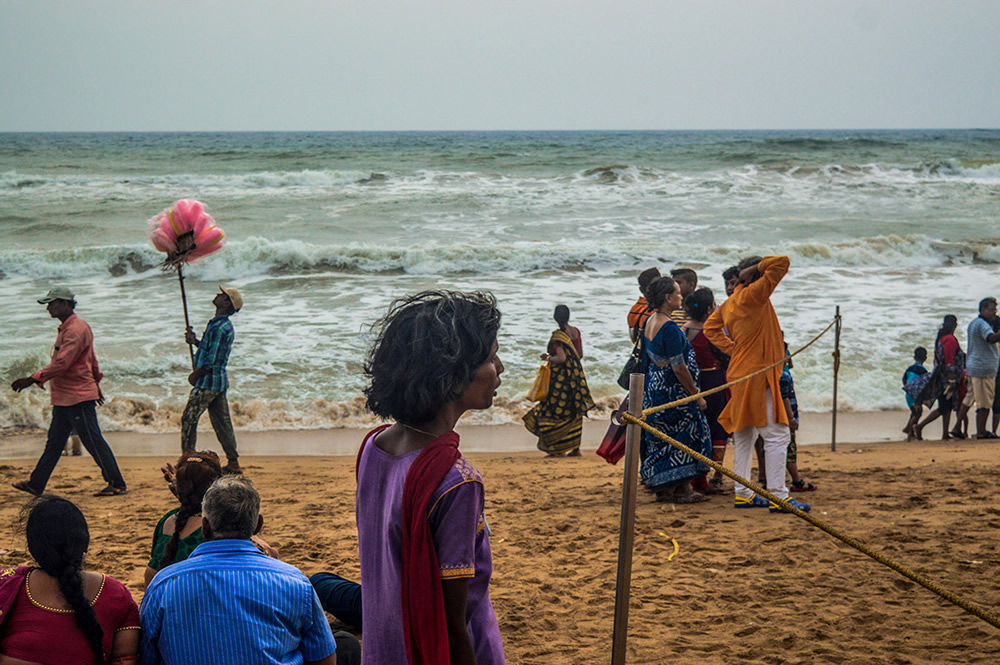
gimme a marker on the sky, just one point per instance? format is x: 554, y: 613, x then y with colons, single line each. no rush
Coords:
x: 228, y: 65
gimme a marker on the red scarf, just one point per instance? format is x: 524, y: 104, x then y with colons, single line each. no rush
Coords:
x: 425, y: 630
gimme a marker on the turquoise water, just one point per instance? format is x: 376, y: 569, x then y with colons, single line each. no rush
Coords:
x: 324, y: 229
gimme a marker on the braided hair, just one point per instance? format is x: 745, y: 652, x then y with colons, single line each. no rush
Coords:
x: 58, y: 538
x: 195, y: 474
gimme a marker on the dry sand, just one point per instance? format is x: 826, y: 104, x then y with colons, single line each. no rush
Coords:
x: 746, y: 586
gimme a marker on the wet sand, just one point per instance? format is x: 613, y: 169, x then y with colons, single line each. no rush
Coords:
x: 745, y: 586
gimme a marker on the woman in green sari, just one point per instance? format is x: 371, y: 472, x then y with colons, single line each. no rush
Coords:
x: 557, y: 420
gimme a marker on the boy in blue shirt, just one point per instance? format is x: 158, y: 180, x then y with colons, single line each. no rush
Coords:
x: 912, y: 372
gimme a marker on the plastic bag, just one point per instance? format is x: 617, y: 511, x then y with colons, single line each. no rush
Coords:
x: 540, y: 388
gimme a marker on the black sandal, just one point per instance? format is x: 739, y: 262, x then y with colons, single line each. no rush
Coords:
x: 110, y: 490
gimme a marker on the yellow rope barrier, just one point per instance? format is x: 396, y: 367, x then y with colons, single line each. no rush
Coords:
x: 712, y: 391
x: 966, y: 605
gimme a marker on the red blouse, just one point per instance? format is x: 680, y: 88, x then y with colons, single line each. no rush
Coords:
x: 702, y: 353
x: 29, y: 627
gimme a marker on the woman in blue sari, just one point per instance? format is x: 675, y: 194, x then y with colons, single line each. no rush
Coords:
x: 672, y: 374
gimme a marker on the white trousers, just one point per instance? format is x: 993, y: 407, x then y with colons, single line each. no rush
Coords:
x: 776, y: 439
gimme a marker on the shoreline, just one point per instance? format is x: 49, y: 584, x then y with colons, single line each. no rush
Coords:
x: 815, y: 430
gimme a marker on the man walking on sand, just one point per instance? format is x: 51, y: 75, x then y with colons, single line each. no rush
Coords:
x: 746, y: 327
x: 981, y: 363
x: 74, y: 379
x: 210, y: 379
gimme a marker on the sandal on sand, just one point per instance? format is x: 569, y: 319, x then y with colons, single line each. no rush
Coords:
x: 802, y: 486
x: 25, y: 486
x: 778, y: 508
x: 986, y: 435
x: 755, y: 501
x: 713, y: 490
x: 691, y: 497
x: 110, y: 490
x: 232, y: 469
x: 957, y: 434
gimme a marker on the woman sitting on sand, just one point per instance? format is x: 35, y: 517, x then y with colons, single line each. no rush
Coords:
x: 557, y: 420
x: 672, y: 374
x: 179, y: 531
x: 59, y: 613
x: 422, y: 531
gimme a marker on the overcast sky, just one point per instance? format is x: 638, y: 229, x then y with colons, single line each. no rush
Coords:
x: 498, y: 64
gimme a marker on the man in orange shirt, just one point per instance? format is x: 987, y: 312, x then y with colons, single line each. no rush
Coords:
x: 746, y: 328
x: 73, y: 377
x: 641, y: 310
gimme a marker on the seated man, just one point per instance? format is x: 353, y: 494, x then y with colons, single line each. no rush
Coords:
x: 230, y: 603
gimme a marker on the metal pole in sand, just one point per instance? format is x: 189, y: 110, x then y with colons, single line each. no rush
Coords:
x: 626, y: 532
x: 184, y: 301
x: 836, y: 370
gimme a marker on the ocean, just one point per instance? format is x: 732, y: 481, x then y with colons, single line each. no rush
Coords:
x: 325, y: 229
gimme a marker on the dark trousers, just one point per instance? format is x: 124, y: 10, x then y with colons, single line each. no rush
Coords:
x: 339, y: 597
x: 82, y: 418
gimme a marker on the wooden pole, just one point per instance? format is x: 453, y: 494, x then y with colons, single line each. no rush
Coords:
x: 626, y: 532
x: 184, y: 301
x: 836, y: 371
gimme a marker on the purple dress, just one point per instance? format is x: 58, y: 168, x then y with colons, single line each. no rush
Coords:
x: 461, y: 538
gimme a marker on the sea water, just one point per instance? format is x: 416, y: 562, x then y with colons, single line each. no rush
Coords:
x: 324, y: 230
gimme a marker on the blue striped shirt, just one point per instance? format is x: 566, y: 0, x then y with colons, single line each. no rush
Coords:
x: 213, y: 352
x: 229, y: 603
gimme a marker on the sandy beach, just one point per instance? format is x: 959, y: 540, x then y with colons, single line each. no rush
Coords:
x: 745, y: 586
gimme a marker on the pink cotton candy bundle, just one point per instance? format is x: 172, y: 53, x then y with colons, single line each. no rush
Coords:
x: 185, y: 232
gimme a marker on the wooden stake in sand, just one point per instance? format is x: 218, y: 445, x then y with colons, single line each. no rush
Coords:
x: 626, y: 533
x: 836, y: 369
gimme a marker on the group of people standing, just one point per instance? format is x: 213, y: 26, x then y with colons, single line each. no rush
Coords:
x: 959, y: 380
x: 686, y: 345
x: 690, y: 345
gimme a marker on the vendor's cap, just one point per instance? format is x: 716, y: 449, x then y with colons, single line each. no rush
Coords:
x: 234, y: 296
x: 58, y: 293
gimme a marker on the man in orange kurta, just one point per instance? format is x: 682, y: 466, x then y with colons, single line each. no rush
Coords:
x: 746, y: 327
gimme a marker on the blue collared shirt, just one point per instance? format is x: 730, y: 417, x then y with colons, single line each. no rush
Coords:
x: 229, y: 603
x: 213, y: 352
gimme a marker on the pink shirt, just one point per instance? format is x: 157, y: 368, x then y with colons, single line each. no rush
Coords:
x: 73, y: 373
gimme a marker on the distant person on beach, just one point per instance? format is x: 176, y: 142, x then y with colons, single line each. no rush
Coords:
x: 210, y: 380
x: 557, y: 420
x: 746, y: 327
x: 687, y: 282
x: 59, y: 612
x: 731, y: 277
x: 74, y: 380
x: 981, y: 365
x: 672, y: 374
x: 941, y: 384
x: 247, y: 606
x: 996, y: 404
x: 791, y: 404
x: 912, y: 373
x: 422, y: 534
x: 711, y: 366
x: 641, y: 310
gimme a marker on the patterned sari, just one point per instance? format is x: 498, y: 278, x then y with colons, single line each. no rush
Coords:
x: 557, y: 420
x: 664, y: 466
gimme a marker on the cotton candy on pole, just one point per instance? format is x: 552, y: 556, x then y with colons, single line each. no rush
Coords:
x: 185, y: 232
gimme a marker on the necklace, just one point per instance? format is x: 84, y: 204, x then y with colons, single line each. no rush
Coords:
x: 417, y: 429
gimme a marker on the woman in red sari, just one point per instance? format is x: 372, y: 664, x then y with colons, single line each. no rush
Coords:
x: 58, y: 612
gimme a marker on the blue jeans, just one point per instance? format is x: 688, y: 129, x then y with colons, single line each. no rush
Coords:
x: 339, y: 597
x: 82, y: 418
